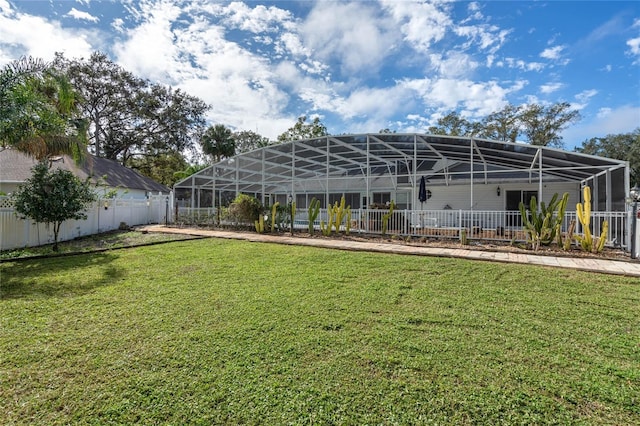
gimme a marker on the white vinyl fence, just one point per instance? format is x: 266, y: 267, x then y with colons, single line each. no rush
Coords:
x: 449, y: 224
x: 102, y: 216
x: 635, y: 244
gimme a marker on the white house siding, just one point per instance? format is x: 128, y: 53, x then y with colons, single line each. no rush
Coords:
x: 130, y: 193
x: 458, y: 197
x: 8, y: 187
x: 138, y: 194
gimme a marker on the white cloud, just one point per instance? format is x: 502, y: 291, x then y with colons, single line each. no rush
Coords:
x: 586, y: 95
x: 5, y: 7
x: 484, y: 36
x: 329, y: 32
x: 552, y: 52
x: 156, y: 60
x: 474, y: 12
x: 608, y: 120
x: 291, y: 43
x: 314, y: 67
x: 583, y: 98
x: 361, y: 64
x: 83, y: 16
x: 609, y: 28
x: 634, y: 46
x: 118, y: 25
x: 453, y: 64
x: 259, y: 19
x: 555, y: 54
x: 550, y: 87
x: 525, y: 66
x: 634, y: 43
x: 604, y: 112
x: 421, y: 24
x: 23, y: 34
x: 378, y: 103
x: 476, y: 99
x: 414, y: 117
x: 245, y: 92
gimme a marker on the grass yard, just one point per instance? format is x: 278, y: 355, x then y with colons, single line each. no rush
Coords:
x: 231, y: 332
x: 98, y: 242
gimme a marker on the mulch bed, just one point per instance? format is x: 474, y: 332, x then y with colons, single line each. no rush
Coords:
x: 483, y: 245
x: 474, y: 244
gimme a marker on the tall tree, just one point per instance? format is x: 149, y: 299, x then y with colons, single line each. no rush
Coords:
x: 246, y: 141
x: 304, y: 130
x: 503, y: 125
x: 185, y: 173
x: 541, y: 125
x: 167, y: 123
x: 52, y: 197
x: 452, y: 124
x: 623, y: 146
x: 38, y: 111
x: 129, y: 116
x: 162, y: 167
x: 109, y: 96
x: 217, y: 142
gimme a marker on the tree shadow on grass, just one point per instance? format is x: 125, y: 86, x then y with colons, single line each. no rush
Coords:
x: 64, y: 276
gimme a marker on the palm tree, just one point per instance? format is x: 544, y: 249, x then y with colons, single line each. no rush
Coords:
x: 38, y: 111
x: 218, y: 142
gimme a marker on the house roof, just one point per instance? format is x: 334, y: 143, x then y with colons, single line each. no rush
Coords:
x: 15, y: 167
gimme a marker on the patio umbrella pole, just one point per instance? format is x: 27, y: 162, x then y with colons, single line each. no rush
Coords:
x: 422, y: 196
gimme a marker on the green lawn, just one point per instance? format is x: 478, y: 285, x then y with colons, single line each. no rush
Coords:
x: 98, y: 242
x: 229, y: 332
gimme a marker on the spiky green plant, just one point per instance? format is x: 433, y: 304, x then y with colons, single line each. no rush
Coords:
x: 336, y: 214
x: 274, y: 214
x: 583, y: 211
x: 293, y: 215
x: 565, y: 242
x: 386, y: 217
x: 542, y: 225
x: 464, y: 240
x: 339, y: 210
x: 603, y: 237
x: 314, y: 210
x: 326, y: 229
x: 259, y: 223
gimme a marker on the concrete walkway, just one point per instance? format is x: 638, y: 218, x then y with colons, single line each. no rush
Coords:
x: 605, y: 266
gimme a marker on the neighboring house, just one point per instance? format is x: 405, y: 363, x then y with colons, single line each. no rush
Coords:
x: 107, y: 175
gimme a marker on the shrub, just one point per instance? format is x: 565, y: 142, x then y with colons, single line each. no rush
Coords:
x: 245, y: 209
x: 51, y: 197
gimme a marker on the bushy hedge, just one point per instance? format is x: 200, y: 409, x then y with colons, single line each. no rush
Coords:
x: 245, y: 209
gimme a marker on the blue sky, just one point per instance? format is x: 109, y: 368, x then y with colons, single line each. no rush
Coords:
x: 360, y: 66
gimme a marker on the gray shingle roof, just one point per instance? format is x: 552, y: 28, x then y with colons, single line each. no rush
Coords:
x: 16, y: 167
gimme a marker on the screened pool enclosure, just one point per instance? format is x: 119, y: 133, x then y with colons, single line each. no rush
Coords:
x: 467, y: 183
